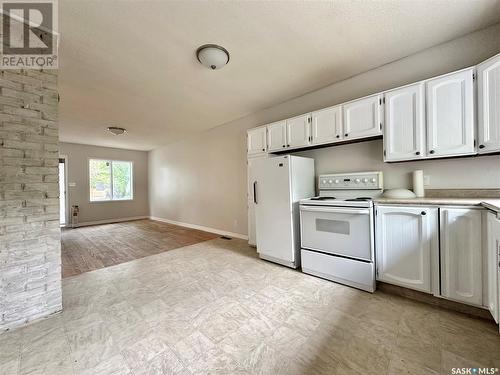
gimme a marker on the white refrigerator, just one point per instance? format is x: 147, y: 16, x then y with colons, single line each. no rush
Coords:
x: 279, y: 184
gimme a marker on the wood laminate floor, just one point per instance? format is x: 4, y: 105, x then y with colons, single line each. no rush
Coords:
x: 90, y: 248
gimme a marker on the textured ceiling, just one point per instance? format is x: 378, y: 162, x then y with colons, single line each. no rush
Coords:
x: 132, y: 63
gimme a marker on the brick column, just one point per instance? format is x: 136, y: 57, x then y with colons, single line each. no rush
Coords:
x: 30, y: 246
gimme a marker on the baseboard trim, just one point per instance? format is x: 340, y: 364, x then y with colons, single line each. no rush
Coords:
x: 200, y: 227
x: 109, y: 221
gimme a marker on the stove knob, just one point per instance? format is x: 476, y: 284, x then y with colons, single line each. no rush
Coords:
x: 324, y: 182
x: 365, y: 180
x: 336, y: 181
x: 357, y: 180
x: 330, y: 182
x: 373, y: 180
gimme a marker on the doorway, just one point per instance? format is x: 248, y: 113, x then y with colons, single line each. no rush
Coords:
x: 63, y: 205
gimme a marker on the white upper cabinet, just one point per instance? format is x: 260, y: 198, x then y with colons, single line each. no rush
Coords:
x: 450, y: 114
x: 276, y: 135
x: 326, y: 125
x: 404, y: 132
x: 256, y: 141
x: 363, y: 117
x: 298, y: 131
x: 461, y: 255
x: 488, y: 74
x: 407, y: 238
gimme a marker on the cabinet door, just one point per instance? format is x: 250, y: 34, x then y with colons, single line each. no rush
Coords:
x: 363, y: 118
x: 406, y: 239
x: 461, y: 260
x: 327, y: 125
x: 298, y: 131
x: 256, y: 141
x: 493, y: 234
x: 450, y: 114
x: 404, y: 130
x: 276, y: 133
x: 488, y: 74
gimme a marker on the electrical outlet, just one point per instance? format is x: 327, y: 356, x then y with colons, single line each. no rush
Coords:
x: 427, y: 180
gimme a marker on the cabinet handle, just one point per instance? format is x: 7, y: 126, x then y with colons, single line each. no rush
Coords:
x: 431, y: 151
x: 482, y: 146
x: 284, y: 145
x: 287, y: 145
x: 255, y: 192
x: 338, y: 136
x: 263, y: 149
x: 423, y: 213
x: 346, y: 135
x: 417, y: 153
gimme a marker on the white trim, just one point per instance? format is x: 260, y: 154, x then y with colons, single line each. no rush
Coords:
x: 110, y: 221
x: 201, y: 227
x: 66, y: 191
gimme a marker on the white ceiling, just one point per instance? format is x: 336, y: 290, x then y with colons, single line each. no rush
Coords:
x: 132, y: 63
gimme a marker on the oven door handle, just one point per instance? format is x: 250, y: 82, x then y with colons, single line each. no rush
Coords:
x: 335, y: 210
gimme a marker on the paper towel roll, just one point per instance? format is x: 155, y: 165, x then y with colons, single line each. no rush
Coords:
x: 418, y: 183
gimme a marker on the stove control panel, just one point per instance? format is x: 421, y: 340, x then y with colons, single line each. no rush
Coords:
x: 359, y: 180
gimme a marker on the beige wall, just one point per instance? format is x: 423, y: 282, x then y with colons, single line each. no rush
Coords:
x: 202, y: 180
x: 78, y: 156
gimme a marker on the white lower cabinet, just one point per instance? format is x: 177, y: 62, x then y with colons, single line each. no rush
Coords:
x: 406, y: 244
x: 461, y: 255
x: 493, y: 265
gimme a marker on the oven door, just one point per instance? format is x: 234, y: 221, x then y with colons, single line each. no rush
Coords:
x: 343, y: 231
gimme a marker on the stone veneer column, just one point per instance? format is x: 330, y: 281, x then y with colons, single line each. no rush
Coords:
x: 30, y: 246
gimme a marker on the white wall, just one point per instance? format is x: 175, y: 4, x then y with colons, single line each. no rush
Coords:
x: 202, y: 180
x: 78, y: 156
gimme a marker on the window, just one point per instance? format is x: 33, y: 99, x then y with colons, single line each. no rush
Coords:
x: 110, y: 180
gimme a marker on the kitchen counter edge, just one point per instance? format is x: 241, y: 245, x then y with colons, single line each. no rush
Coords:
x: 489, y: 203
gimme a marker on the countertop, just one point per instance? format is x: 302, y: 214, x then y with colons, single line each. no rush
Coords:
x: 489, y: 203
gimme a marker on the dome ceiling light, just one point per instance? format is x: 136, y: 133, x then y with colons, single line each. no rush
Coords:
x: 212, y: 56
x: 116, y: 130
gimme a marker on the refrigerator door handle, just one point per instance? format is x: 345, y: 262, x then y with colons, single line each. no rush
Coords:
x: 255, y: 192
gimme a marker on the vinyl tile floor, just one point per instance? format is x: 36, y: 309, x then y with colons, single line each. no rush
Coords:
x: 215, y: 308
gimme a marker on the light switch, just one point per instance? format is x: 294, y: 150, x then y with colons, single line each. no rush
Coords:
x: 427, y: 180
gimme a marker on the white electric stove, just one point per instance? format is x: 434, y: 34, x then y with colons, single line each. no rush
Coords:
x: 337, y: 229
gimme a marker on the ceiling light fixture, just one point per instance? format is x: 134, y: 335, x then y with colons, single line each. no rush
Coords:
x: 116, y: 131
x: 212, y: 56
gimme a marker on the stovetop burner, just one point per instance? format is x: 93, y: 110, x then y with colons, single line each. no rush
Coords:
x: 322, y: 198
x: 362, y: 199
